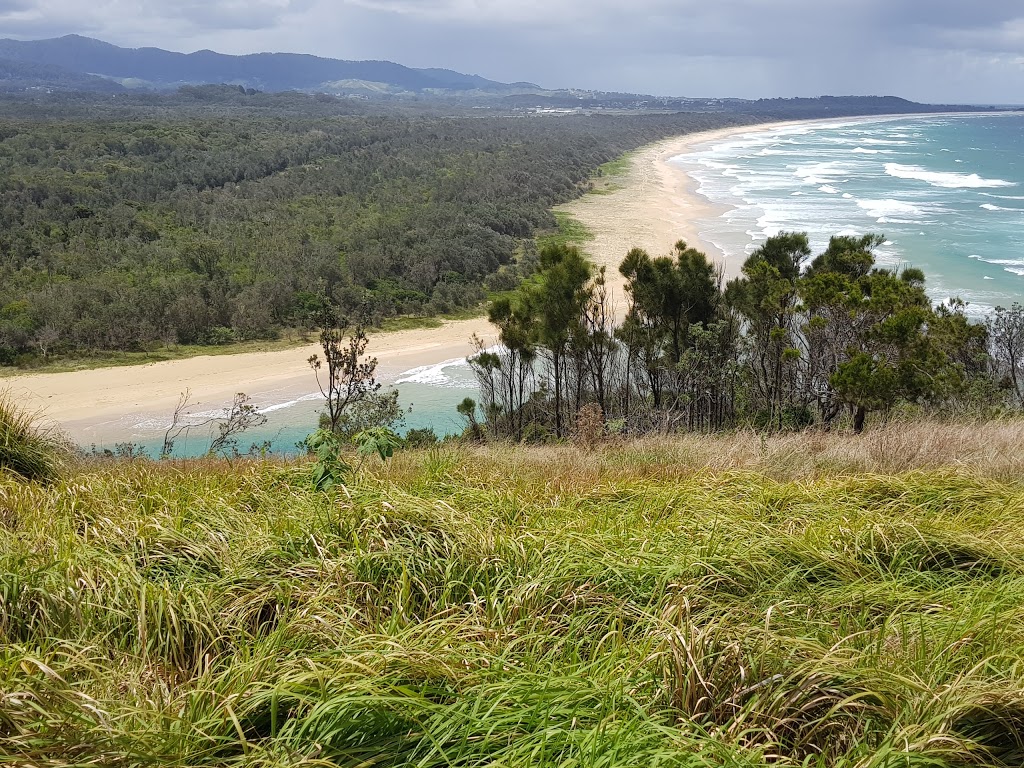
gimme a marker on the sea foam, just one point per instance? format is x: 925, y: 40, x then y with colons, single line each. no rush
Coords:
x: 946, y: 180
x: 436, y: 375
x: 882, y: 208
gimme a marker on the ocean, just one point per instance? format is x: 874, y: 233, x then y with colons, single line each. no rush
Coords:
x: 947, y: 192
x: 428, y: 395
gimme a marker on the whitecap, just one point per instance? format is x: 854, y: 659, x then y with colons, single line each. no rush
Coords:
x: 989, y: 278
x: 888, y: 207
x: 289, y: 403
x: 863, y: 151
x: 946, y: 180
x: 885, y: 142
x: 820, y: 173
x: 1002, y: 197
x: 435, y: 375
x: 1005, y: 262
x: 829, y: 189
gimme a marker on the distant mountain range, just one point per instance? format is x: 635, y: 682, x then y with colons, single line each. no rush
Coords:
x: 75, y: 64
x: 80, y: 63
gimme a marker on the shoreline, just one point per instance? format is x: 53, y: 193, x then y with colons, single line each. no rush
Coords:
x: 657, y: 205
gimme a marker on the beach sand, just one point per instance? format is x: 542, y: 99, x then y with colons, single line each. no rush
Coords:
x: 654, y: 205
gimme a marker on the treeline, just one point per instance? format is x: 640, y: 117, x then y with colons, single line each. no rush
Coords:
x: 792, y: 341
x: 127, y: 233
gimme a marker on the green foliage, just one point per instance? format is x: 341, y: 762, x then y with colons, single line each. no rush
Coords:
x: 26, y: 449
x: 786, y: 345
x: 421, y: 438
x: 1006, y: 327
x: 670, y: 299
x: 345, y: 375
x: 377, y: 409
x: 377, y: 440
x: 329, y: 468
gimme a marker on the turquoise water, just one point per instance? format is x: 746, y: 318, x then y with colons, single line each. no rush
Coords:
x: 947, y: 192
x: 428, y: 394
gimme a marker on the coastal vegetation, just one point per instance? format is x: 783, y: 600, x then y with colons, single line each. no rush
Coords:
x: 742, y: 600
x: 222, y: 222
x: 793, y: 341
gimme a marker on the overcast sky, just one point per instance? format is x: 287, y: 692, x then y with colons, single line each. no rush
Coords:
x: 930, y: 50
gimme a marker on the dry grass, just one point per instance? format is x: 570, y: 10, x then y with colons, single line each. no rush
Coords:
x: 993, y: 449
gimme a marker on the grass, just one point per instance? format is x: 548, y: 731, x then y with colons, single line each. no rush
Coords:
x: 294, y: 339
x: 609, y: 176
x: 570, y: 231
x: 110, y: 359
x: 415, y: 322
x: 821, y: 600
x: 27, y: 449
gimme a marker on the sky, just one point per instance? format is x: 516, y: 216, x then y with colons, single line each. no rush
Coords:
x: 963, y: 51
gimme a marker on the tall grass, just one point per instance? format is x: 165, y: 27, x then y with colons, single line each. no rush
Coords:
x: 26, y: 448
x: 715, y: 602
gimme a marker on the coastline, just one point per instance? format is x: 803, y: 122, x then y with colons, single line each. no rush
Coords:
x: 656, y: 206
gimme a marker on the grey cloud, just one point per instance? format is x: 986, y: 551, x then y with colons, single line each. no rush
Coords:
x: 935, y: 49
x: 229, y: 14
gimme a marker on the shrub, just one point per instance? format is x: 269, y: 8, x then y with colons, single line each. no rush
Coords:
x: 420, y: 438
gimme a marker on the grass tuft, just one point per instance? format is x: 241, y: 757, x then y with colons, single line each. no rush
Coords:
x: 27, y: 449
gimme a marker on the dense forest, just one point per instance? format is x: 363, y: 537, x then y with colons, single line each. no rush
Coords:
x: 120, y: 229
x: 796, y: 339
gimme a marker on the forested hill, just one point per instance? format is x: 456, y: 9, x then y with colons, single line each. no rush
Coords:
x: 69, y: 61
x: 221, y: 223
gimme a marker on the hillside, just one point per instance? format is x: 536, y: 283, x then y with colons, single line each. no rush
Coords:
x: 70, y: 58
x: 734, y: 601
x: 76, y: 63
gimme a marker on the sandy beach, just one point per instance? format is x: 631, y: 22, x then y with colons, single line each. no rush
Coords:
x: 654, y: 205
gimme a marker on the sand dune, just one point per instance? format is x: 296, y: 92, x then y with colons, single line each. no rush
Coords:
x: 653, y: 208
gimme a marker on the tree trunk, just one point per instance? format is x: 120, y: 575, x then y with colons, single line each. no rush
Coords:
x: 558, y: 393
x: 858, y: 419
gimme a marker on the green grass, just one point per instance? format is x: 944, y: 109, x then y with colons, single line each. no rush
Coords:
x: 609, y: 176
x: 294, y: 339
x: 110, y: 359
x: 570, y: 231
x: 27, y: 449
x: 707, y: 601
x: 415, y: 322
x: 618, y: 167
